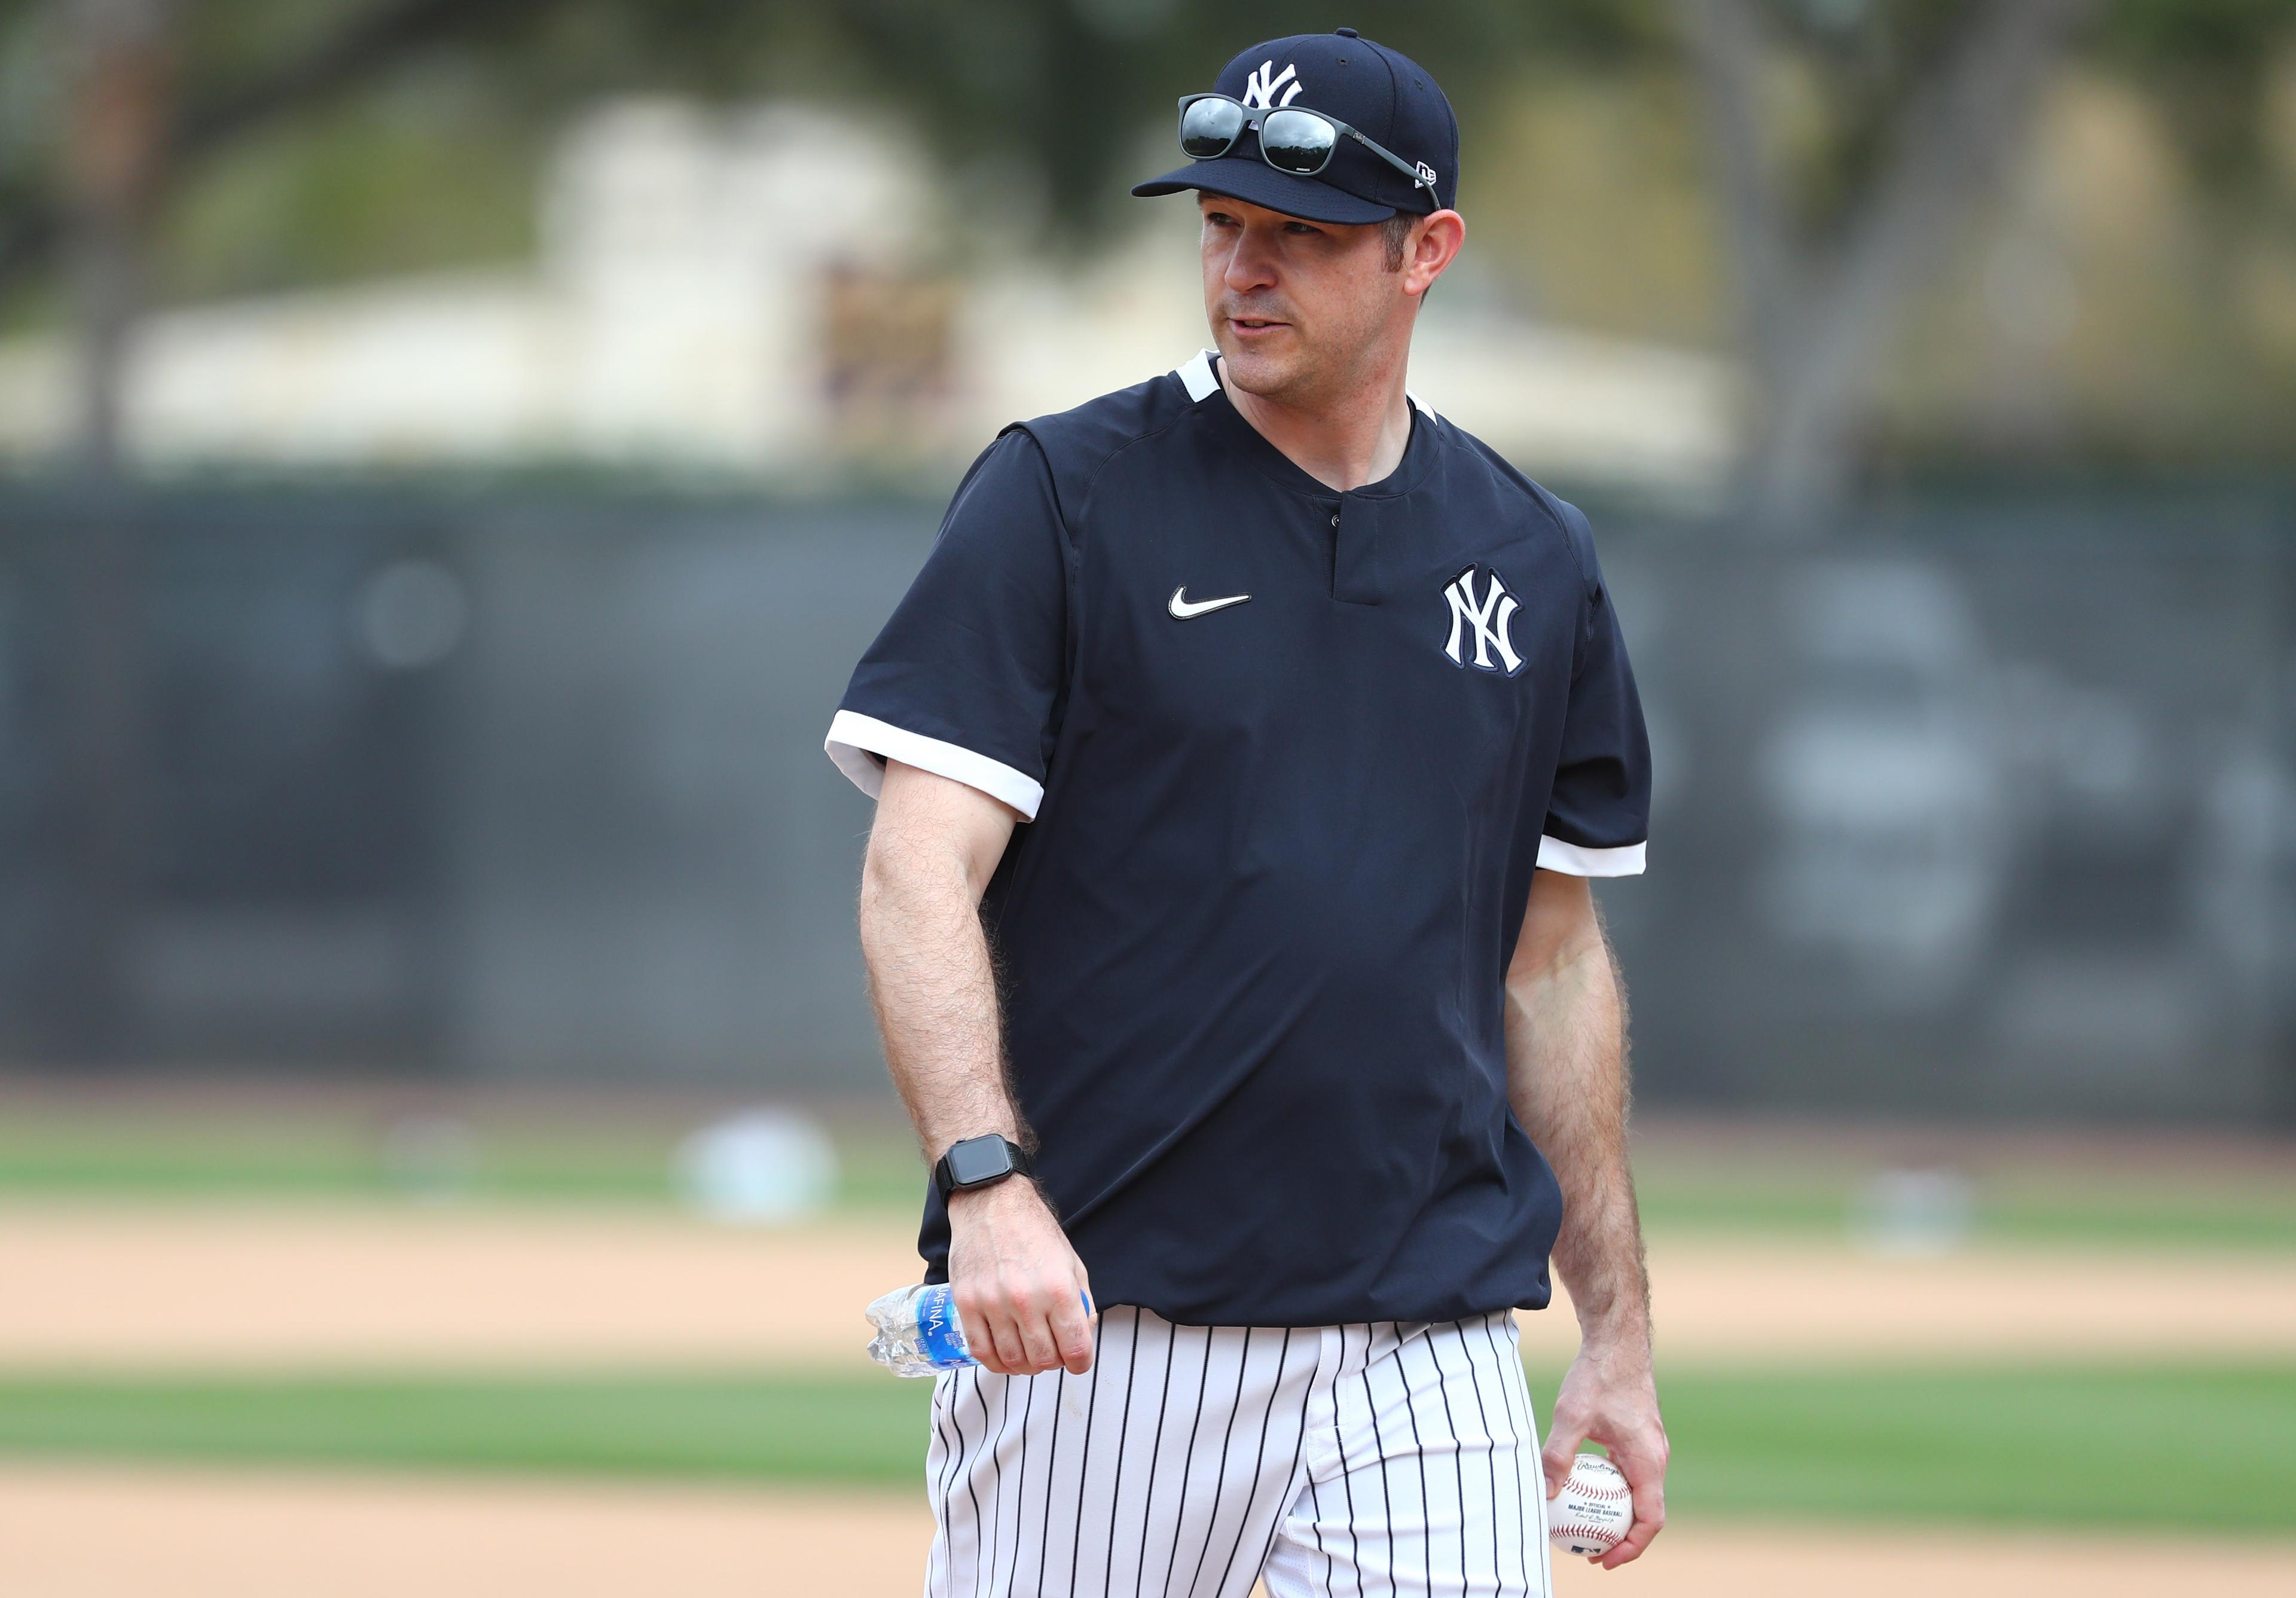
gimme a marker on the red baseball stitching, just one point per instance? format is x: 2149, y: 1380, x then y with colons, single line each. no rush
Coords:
x: 1593, y: 1534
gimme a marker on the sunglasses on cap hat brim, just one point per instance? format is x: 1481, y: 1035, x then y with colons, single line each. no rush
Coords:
x: 1291, y: 139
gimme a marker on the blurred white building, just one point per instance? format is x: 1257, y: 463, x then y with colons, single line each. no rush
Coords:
x: 708, y: 296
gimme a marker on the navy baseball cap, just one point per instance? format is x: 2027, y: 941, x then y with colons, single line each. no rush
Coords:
x: 1382, y: 93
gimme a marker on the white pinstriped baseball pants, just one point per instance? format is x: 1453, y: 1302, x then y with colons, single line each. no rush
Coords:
x: 1189, y: 1461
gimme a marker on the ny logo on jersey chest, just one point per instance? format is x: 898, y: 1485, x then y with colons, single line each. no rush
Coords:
x: 1479, y: 626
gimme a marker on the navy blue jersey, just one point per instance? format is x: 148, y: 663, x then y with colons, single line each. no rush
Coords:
x: 1289, y: 758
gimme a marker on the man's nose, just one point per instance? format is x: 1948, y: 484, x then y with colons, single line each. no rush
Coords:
x: 1250, y: 265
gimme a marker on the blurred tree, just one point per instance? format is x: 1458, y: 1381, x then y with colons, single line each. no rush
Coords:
x: 2207, y: 63
x: 1068, y: 89
x: 144, y: 100
x: 238, y: 67
x: 120, y: 75
x: 1914, y: 110
x: 120, y: 80
x: 1850, y: 136
x: 1852, y: 139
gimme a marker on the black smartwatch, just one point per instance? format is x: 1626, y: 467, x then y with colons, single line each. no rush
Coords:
x: 978, y: 1163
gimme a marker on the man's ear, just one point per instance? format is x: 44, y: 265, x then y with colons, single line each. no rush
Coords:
x: 1435, y: 245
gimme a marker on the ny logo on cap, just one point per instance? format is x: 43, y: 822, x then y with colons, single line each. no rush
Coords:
x: 1259, y: 89
x: 1490, y: 616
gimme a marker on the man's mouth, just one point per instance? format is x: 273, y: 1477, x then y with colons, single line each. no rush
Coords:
x: 1255, y: 324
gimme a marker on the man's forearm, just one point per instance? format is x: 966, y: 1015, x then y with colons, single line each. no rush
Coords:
x: 934, y: 988
x: 1021, y: 1292
x: 1566, y: 1031
x: 1567, y: 1077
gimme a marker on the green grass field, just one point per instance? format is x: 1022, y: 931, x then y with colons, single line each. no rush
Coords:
x: 2076, y: 1446
x: 52, y: 1151
x: 74, y: 1152
x: 2038, y: 1447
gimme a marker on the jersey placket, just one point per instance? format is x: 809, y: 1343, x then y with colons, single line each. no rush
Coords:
x: 1356, y: 523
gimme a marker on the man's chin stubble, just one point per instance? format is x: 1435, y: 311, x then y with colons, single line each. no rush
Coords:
x: 1264, y: 375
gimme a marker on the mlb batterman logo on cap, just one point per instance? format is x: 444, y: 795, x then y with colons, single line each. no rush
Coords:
x: 1326, y: 127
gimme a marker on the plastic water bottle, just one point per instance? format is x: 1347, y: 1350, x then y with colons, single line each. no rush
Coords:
x: 918, y: 1333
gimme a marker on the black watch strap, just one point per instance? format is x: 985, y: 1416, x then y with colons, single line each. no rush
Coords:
x: 978, y: 1163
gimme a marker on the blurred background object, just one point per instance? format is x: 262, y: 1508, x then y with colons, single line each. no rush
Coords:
x: 452, y: 452
x: 457, y: 450
x: 1915, y: 1214
x: 769, y: 1166
x: 431, y: 1157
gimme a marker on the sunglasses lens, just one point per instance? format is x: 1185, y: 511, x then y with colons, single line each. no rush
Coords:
x: 1207, y: 128
x: 1298, y: 142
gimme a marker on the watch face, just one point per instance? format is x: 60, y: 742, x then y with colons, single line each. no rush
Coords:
x: 977, y: 1159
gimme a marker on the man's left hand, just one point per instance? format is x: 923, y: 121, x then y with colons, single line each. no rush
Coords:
x: 1609, y: 1396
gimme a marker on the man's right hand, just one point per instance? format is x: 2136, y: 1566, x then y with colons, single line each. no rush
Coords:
x: 1021, y: 1290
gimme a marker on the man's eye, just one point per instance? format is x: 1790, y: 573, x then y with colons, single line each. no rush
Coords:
x: 1299, y: 227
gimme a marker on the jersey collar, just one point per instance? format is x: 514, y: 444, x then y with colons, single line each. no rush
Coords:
x: 1199, y: 375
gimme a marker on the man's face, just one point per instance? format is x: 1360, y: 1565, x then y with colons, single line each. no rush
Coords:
x: 1299, y: 309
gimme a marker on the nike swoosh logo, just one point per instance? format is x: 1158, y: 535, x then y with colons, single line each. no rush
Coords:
x: 1182, y: 607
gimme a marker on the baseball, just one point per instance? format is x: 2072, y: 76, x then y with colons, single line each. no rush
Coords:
x: 1591, y: 1515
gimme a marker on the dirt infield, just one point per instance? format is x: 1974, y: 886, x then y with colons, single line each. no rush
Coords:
x: 79, y: 1533
x: 119, y: 1286
x: 106, y: 1286
x: 125, y: 1533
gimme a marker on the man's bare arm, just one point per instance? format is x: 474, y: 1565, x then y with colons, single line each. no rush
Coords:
x: 1020, y: 1289
x: 1567, y: 1078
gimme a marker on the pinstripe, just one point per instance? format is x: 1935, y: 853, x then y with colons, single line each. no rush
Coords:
x: 1260, y: 1466
x: 949, y: 1479
x: 1052, y: 1472
x: 1514, y: 1453
x: 1539, y: 1505
x: 996, y: 1447
x: 1123, y: 1430
x: 1346, y: 1472
x: 1458, y: 1329
x: 1156, y: 1447
x: 956, y: 1423
x: 1180, y: 1515
x: 1084, y: 1465
x: 1316, y: 1499
x: 1519, y: 1435
x: 1476, y: 1372
x: 1178, y: 1518
x: 1418, y: 1457
x: 1278, y: 1505
x: 1490, y: 1459
x: 1219, y: 1482
x: 1534, y: 1535
x: 1021, y: 1498
x: 1386, y: 1489
x: 1298, y: 1447
x: 952, y: 1459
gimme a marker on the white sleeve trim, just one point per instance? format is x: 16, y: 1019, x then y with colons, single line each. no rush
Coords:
x: 860, y: 745
x: 1576, y: 860
x: 1196, y: 373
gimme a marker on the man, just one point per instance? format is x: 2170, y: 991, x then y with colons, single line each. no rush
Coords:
x: 1318, y: 719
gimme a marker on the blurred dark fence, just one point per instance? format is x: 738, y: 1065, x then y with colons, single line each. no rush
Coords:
x: 1989, y: 805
